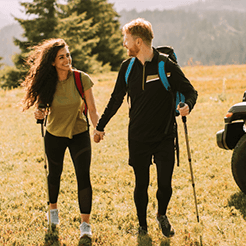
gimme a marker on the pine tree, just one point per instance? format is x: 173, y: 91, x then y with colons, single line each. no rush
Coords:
x: 41, y: 25
x: 90, y: 27
x: 79, y: 33
x: 109, y: 48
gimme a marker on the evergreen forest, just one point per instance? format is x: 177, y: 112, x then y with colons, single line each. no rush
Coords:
x: 210, y: 37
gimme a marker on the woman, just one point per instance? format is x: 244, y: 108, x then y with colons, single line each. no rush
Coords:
x: 50, y: 81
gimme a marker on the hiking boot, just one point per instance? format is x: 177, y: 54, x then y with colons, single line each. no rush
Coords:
x: 165, y: 226
x: 54, y: 216
x: 142, y: 231
x: 85, y: 230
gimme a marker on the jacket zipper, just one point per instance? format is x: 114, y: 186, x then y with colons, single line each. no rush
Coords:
x: 143, y: 81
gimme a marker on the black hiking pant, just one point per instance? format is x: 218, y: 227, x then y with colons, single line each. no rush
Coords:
x: 80, y: 151
x: 140, y: 158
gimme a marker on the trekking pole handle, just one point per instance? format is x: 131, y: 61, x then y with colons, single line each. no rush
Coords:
x: 40, y: 121
x: 41, y: 106
x: 181, y: 105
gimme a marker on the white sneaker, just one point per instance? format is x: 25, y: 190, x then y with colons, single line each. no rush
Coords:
x: 54, y: 216
x: 85, y: 230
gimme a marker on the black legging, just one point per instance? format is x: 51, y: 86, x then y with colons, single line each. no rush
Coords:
x: 80, y: 151
x: 164, y: 161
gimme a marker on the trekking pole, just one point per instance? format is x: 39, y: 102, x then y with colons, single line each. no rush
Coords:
x: 43, y: 124
x: 181, y: 105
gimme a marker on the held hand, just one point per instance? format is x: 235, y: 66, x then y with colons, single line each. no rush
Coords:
x: 184, y: 111
x: 98, y: 136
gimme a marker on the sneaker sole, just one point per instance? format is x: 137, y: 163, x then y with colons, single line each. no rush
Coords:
x: 86, y: 236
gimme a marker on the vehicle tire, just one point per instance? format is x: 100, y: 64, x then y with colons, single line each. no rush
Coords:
x: 238, y: 164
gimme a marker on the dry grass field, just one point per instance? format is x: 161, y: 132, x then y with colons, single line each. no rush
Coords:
x: 221, y: 205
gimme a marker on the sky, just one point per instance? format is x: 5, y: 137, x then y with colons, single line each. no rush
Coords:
x: 8, y: 7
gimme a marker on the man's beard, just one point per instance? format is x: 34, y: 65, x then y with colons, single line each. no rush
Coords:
x: 133, y: 51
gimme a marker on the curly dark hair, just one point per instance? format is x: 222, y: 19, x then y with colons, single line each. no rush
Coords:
x: 41, y: 80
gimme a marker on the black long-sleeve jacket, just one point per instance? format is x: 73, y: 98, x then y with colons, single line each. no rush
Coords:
x: 151, y: 104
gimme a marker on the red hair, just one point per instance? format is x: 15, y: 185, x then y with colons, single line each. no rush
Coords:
x: 139, y: 28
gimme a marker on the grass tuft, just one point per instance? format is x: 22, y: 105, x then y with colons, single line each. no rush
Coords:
x: 237, y: 202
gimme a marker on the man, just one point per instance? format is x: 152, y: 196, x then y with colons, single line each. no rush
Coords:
x: 151, y: 111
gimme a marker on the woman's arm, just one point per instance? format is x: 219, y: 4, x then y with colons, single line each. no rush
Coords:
x: 94, y: 116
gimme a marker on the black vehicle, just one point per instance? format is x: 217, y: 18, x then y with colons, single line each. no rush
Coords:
x: 233, y: 136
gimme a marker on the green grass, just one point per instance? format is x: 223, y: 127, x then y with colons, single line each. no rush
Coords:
x: 222, y: 207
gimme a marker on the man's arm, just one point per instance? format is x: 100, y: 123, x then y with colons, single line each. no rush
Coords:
x: 180, y: 83
x: 113, y: 105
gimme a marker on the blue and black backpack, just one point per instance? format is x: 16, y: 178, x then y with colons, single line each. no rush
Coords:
x: 165, y: 53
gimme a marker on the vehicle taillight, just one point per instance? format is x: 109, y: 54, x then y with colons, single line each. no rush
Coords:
x: 229, y: 114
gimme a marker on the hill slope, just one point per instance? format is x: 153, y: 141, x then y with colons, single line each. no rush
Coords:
x: 209, y: 37
x: 215, y: 5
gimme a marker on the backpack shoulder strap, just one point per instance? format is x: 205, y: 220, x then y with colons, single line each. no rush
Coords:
x: 79, y: 86
x: 162, y: 59
x: 179, y: 97
x: 78, y: 82
x: 163, y: 77
x: 129, y: 68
